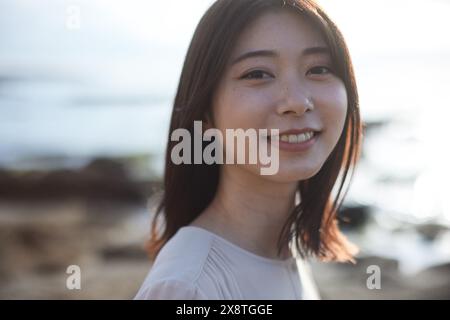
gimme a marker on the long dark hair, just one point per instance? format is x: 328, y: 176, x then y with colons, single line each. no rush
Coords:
x: 189, y: 189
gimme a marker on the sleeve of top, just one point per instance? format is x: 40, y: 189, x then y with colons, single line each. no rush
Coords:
x: 171, y: 290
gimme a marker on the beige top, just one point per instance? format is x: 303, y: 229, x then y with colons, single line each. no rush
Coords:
x: 196, y: 264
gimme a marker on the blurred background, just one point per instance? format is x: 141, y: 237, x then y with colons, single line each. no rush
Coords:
x: 86, y: 88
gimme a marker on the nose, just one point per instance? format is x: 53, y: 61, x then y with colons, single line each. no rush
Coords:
x: 295, y: 100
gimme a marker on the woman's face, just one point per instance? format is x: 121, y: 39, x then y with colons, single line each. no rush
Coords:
x: 289, y: 85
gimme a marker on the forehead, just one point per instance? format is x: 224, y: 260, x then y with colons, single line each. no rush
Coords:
x: 283, y: 30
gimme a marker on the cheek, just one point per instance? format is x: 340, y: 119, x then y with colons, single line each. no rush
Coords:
x: 332, y: 106
x: 240, y: 107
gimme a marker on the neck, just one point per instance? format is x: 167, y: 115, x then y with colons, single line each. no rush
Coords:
x: 250, y: 211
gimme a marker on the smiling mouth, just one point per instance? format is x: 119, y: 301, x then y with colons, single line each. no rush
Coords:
x: 298, y: 138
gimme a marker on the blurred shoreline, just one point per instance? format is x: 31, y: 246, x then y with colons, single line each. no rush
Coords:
x: 98, y: 217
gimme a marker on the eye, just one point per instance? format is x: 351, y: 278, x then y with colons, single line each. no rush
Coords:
x: 256, y: 75
x: 320, y: 70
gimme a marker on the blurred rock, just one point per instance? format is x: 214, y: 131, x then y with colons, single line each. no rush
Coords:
x: 354, y: 216
x: 127, y: 252
x: 430, y: 231
x: 38, y: 241
x: 101, y: 179
x: 348, y: 281
x: 374, y: 125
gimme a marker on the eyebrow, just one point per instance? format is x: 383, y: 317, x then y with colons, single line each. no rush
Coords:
x: 274, y: 54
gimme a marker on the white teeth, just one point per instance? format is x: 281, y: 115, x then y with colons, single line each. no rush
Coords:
x: 297, y: 138
x: 293, y: 138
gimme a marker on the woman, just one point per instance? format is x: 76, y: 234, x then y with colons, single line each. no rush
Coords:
x: 230, y: 232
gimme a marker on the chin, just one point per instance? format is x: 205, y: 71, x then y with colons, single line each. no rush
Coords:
x: 293, y: 174
x: 300, y: 171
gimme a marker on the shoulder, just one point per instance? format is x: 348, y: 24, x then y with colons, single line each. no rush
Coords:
x: 182, y: 268
x: 183, y: 256
x: 170, y: 289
